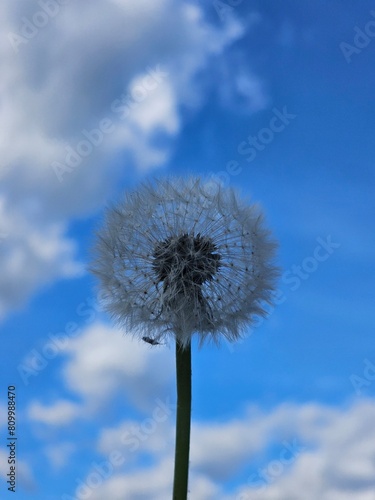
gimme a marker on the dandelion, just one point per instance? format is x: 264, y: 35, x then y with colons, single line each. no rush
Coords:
x: 180, y: 258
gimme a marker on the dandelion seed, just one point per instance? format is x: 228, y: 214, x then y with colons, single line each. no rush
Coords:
x: 185, y: 257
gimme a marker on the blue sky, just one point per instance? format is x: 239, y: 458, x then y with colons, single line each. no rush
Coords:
x: 274, y: 98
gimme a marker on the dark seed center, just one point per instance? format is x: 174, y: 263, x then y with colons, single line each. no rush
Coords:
x: 185, y: 261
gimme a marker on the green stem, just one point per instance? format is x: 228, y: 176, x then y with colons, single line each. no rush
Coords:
x: 181, y: 470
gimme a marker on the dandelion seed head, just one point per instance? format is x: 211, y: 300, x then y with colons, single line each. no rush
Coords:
x: 183, y: 257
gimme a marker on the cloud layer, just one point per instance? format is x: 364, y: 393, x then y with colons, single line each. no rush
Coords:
x: 320, y: 453
x: 83, y: 86
x: 306, y: 451
x: 290, y: 452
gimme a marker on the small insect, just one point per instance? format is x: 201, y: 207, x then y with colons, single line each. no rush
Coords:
x: 151, y: 341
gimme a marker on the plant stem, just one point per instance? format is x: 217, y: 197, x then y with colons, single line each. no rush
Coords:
x: 181, y: 467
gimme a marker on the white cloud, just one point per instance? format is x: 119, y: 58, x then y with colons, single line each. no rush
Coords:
x: 338, y: 461
x: 221, y: 448
x: 159, y: 108
x: 32, y: 254
x: 155, y: 483
x: 59, y: 455
x: 67, y: 78
x: 152, y: 483
x: 60, y: 81
x: 245, y: 91
x: 104, y: 361
x: 318, y: 452
x: 61, y: 412
x: 153, y: 436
